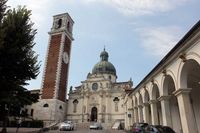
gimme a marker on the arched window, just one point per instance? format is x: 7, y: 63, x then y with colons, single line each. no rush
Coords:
x: 60, y: 107
x: 46, y: 105
x: 116, y: 101
x: 68, y: 27
x: 75, y: 102
x: 59, y: 23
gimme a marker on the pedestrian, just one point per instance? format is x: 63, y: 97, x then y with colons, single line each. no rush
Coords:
x: 19, y: 121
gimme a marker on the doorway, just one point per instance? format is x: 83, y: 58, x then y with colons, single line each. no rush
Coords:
x: 94, y: 114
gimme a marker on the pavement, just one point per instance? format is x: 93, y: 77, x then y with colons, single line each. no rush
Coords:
x: 88, y: 131
x: 80, y: 130
x: 35, y: 130
x: 21, y: 130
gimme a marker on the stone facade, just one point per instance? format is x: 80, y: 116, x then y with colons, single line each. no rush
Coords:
x: 99, y: 97
x: 169, y: 94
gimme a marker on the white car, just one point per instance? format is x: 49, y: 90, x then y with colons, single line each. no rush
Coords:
x: 66, y: 125
x: 96, y: 125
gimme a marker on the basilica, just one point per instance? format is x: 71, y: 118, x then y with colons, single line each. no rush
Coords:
x: 99, y: 97
x: 168, y: 95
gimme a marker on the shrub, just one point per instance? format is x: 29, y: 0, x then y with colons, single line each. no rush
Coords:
x: 31, y: 124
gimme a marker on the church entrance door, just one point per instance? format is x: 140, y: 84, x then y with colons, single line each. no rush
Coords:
x: 94, y: 114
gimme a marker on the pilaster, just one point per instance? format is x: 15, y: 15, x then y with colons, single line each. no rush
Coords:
x: 146, y: 112
x: 166, y: 113
x: 186, y: 113
x: 136, y: 114
x: 140, y: 113
x: 154, y: 112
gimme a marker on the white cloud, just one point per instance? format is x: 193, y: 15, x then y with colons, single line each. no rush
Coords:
x: 158, y: 41
x: 141, y: 7
x: 39, y: 9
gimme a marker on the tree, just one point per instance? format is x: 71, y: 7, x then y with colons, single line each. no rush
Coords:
x: 18, y: 62
x: 2, y: 8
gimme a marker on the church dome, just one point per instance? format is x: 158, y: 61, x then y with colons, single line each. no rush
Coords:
x: 104, y: 66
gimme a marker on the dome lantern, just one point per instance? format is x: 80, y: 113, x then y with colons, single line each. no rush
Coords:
x: 104, y: 55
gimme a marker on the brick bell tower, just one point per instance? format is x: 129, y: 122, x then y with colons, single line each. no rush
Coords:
x: 58, y: 56
x: 52, y: 103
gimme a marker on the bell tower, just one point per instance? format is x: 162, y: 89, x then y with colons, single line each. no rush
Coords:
x: 58, y: 57
x: 52, y: 105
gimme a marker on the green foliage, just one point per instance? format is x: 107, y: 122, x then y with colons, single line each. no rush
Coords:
x: 18, y: 62
x: 2, y: 8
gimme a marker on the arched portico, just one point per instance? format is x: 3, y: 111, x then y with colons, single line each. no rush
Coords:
x: 140, y: 108
x: 156, y: 112
x: 135, y: 109
x: 146, y: 107
x: 169, y: 103
x: 188, y: 95
x: 174, y: 86
x: 140, y: 103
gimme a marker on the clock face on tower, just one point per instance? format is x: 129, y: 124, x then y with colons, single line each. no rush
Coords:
x: 65, y: 58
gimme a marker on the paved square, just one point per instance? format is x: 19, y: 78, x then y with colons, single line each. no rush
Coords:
x: 88, y: 131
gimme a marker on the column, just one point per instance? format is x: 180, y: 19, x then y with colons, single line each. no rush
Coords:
x: 166, y: 113
x: 100, y: 111
x: 136, y: 114
x: 87, y: 107
x: 82, y: 108
x: 133, y: 117
x: 146, y: 112
x: 140, y: 113
x: 108, y: 107
x: 186, y: 113
x: 154, y: 112
x: 125, y: 116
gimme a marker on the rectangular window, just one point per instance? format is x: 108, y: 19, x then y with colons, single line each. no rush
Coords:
x: 32, y: 110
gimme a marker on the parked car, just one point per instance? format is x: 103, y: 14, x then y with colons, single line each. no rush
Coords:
x: 167, y: 129
x: 152, y: 129
x: 96, y: 126
x: 139, y: 127
x: 66, y: 125
x: 162, y: 129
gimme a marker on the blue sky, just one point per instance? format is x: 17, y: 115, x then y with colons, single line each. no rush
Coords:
x: 137, y: 33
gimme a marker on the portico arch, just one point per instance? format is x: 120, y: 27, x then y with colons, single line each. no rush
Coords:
x: 146, y: 107
x: 188, y: 95
x: 169, y: 103
x: 135, y: 109
x: 156, y: 112
x: 140, y: 103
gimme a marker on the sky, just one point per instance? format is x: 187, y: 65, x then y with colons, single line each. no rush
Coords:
x: 137, y: 34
